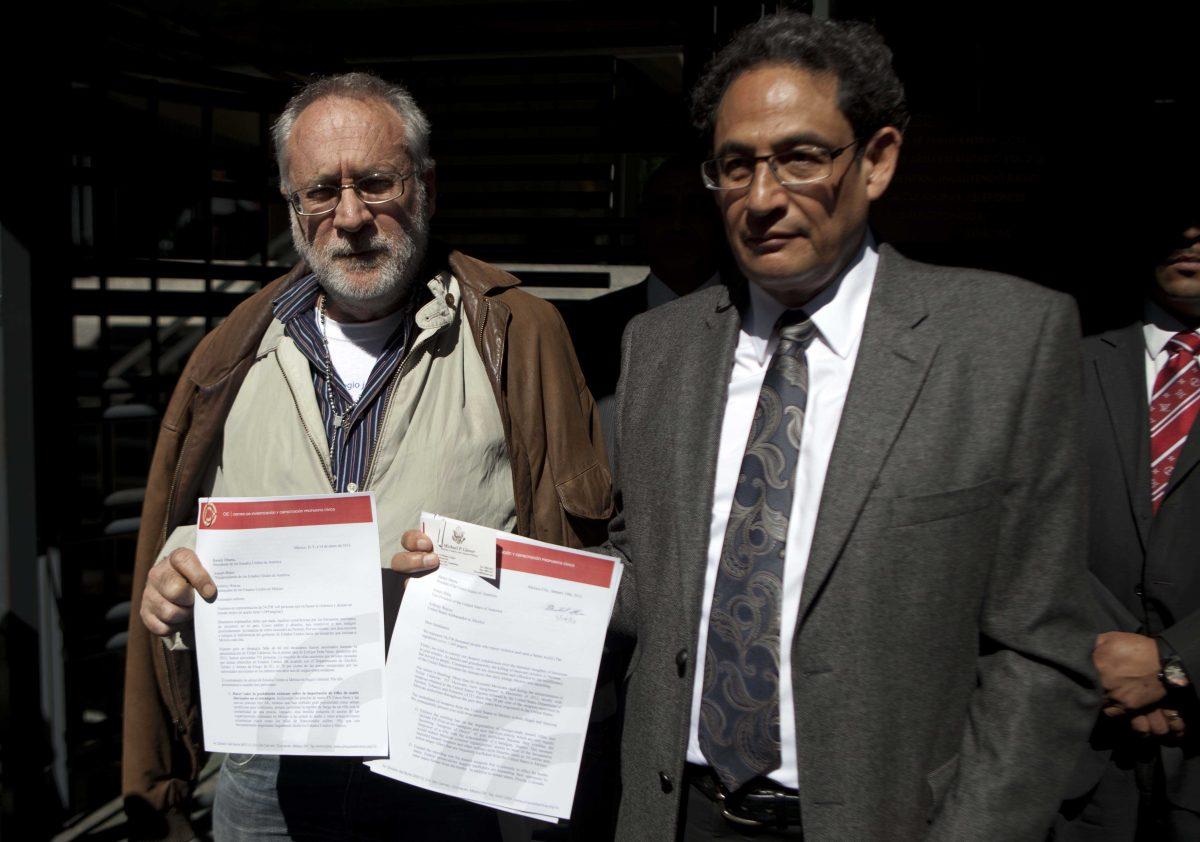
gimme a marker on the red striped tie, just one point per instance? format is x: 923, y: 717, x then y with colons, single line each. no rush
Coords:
x: 1172, y: 410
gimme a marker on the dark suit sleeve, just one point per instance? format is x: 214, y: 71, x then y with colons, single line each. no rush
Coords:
x: 1113, y: 616
x: 1036, y: 698
x: 624, y: 619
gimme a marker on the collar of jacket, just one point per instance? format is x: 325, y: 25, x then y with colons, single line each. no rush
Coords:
x: 481, y: 285
x: 239, y: 335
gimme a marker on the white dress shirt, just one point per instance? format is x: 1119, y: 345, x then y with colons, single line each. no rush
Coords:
x: 1160, y: 326
x: 838, y: 312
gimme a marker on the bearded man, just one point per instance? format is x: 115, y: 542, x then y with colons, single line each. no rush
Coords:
x: 380, y: 363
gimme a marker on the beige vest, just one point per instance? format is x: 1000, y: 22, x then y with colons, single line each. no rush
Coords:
x: 441, y: 445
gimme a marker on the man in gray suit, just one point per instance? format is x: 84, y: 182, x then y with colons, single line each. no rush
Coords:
x: 850, y: 495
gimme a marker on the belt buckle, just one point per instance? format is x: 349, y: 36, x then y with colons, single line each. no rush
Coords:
x: 728, y: 804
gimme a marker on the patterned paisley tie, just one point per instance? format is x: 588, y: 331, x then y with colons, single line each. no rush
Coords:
x: 739, y: 708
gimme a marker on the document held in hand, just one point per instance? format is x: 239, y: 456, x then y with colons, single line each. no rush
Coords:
x: 490, y: 680
x: 290, y: 653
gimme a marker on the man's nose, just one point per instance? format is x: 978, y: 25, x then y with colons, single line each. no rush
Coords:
x: 766, y: 193
x: 351, y: 212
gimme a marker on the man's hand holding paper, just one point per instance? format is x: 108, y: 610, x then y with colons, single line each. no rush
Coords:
x: 417, y: 556
x: 171, y: 589
x: 291, y: 653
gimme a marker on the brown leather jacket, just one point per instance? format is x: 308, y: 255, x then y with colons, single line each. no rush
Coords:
x: 561, y: 487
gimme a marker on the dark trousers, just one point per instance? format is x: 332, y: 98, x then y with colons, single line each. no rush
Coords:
x: 335, y: 799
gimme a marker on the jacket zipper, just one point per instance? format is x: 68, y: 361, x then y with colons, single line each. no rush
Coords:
x: 487, y: 305
x: 162, y: 538
x: 172, y: 681
x: 307, y: 432
x: 387, y: 406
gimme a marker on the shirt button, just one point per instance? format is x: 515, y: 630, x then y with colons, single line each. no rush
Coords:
x: 1138, y: 590
x: 352, y: 487
x: 681, y: 661
x: 664, y: 780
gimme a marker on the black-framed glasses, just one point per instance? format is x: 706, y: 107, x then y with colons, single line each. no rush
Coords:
x: 373, y: 189
x: 798, y: 165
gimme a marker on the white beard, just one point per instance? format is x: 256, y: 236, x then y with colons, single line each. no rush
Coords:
x: 395, y: 265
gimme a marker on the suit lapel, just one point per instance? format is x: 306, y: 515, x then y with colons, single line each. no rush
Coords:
x: 1121, y: 370
x: 893, y: 359
x: 701, y: 380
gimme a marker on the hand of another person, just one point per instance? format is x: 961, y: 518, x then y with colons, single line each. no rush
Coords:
x: 1128, y: 665
x: 418, y: 557
x: 171, y: 589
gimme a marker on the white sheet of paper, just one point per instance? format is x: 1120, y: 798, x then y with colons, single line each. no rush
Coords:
x: 290, y: 653
x: 462, y: 546
x: 490, y: 683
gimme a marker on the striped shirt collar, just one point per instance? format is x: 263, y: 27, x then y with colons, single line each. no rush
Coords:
x: 351, y: 443
x: 300, y: 296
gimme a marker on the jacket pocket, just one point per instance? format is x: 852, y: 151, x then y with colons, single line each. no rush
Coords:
x: 939, y: 781
x: 944, y: 504
x: 588, y: 494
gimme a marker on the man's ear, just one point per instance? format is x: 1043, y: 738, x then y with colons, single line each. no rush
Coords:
x: 879, y: 160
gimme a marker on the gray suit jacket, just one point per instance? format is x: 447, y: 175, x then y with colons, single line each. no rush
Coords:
x: 941, y: 664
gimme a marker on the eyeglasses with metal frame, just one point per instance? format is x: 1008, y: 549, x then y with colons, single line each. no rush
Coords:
x: 373, y: 189
x: 799, y: 165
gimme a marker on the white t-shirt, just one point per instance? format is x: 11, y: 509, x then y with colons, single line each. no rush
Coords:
x: 354, y: 348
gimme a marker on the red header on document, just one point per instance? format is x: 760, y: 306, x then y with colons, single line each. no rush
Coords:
x: 266, y: 514
x: 558, y: 564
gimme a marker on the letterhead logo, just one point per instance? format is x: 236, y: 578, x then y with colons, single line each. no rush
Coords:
x: 458, y: 535
x: 208, y: 515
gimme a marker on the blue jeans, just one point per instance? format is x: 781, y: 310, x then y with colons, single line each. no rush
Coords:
x: 335, y: 799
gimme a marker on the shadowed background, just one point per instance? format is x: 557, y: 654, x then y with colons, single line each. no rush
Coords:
x: 142, y: 205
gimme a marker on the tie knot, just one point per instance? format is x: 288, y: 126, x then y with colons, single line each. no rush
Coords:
x: 795, y: 326
x: 1187, y: 340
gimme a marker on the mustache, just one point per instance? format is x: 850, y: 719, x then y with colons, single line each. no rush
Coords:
x: 347, y: 247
